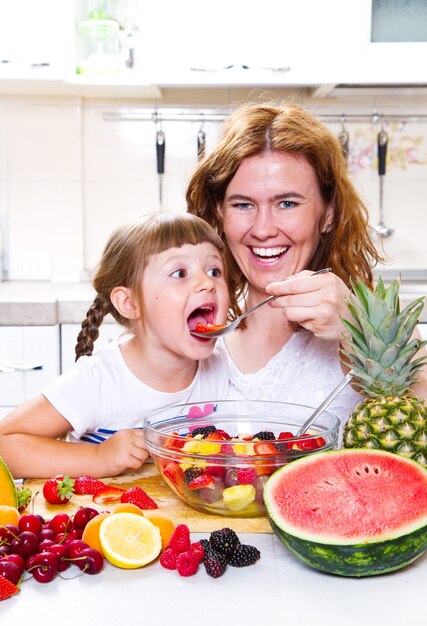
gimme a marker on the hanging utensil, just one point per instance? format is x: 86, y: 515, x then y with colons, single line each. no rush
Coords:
x: 382, y: 143
x: 344, y: 139
x: 201, y: 144
x: 160, y: 157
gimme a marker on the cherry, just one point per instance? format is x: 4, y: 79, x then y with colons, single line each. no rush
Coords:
x: 26, y: 543
x: 10, y: 570
x: 83, y: 515
x: 8, y: 532
x: 30, y: 522
x: 4, y: 550
x: 90, y: 561
x: 75, y: 547
x: 46, y: 544
x: 76, y: 533
x: 47, y: 533
x: 16, y: 558
x: 43, y: 566
x: 64, y: 538
x: 61, y: 551
x: 60, y: 523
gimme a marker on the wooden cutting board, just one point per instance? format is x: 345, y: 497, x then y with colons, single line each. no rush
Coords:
x: 170, y: 505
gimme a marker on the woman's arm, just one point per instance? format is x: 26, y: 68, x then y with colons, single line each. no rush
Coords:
x: 30, y: 447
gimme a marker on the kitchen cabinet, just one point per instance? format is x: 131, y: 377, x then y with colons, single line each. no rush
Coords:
x: 69, y: 333
x: 29, y: 360
x: 33, y: 44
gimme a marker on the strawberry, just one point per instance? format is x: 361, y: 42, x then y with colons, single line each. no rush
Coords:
x: 187, y: 563
x: 285, y: 435
x: 174, y: 473
x: 201, y: 482
x: 108, y: 494
x: 7, y: 589
x: 265, y: 449
x: 24, y: 495
x: 58, y: 490
x: 216, y: 436
x: 180, y: 539
x: 136, y: 495
x: 308, y: 444
x: 215, y: 470
x: 86, y: 485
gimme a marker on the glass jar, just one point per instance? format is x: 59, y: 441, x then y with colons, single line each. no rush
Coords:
x: 99, y: 49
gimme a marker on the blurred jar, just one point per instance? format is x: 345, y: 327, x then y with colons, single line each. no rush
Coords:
x: 99, y: 48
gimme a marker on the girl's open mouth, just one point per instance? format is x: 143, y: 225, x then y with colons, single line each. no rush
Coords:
x: 203, y: 316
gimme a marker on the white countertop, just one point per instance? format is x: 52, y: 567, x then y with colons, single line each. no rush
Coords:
x: 278, y: 589
x: 42, y: 303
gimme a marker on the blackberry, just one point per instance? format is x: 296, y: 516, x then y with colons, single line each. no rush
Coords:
x: 224, y: 541
x: 205, y: 543
x: 215, y: 563
x: 243, y: 556
x: 191, y: 473
x: 204, y: 431
x: 264, y: 435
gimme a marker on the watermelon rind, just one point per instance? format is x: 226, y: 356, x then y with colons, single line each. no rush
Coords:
x: 360, y: 556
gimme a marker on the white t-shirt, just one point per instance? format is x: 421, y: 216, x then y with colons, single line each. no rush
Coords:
x: 304, y: 371
x: 100, y: 395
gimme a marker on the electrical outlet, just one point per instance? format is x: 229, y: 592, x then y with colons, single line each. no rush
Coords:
x: 30, y: 265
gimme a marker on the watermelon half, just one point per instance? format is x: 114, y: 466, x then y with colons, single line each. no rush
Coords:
x: 351, y: 512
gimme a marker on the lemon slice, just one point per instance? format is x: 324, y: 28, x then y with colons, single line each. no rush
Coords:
x: 129, y: 540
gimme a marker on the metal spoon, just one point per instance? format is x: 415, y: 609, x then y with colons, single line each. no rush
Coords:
x: 326, y: 402
x: 227, y: 328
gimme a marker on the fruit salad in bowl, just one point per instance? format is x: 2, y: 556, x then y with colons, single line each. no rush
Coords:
x: 217, y: 456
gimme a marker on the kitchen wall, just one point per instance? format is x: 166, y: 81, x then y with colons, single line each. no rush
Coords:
x: 68, y: 176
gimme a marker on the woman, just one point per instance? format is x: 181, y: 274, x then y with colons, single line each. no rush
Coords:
x: 276, y: 189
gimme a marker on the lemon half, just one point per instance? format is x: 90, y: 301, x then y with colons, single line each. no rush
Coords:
x: 129, y: 540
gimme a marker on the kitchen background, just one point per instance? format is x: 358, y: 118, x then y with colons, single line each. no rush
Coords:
x: 68, y: 175
x: 86, y: 84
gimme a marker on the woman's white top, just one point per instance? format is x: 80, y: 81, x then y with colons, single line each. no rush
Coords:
x: 304, y: 371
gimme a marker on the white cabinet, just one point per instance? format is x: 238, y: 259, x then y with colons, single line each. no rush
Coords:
x: 69, y: 333
x: 33, y: 41
x: 29, y: 360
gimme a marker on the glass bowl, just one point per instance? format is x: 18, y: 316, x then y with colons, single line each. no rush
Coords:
x: 217, y: 456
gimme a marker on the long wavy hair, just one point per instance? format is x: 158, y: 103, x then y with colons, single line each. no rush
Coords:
x: 347, y: 246
x: 125, y: 257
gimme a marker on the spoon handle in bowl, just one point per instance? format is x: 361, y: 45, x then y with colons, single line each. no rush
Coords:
x: 326, y: 402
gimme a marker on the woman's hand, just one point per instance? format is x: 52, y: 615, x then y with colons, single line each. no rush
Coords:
x: 315, y: 302
x: 122, y: 451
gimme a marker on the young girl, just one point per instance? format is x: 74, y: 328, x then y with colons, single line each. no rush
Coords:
x: 157, y: 278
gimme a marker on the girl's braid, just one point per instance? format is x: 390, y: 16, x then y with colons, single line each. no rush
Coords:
x: 89, y: 333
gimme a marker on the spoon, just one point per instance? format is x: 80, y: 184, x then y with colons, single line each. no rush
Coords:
x: 222, y: 329
x: 326, y: 402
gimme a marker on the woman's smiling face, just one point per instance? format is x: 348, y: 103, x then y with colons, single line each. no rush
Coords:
x: 271, y: 216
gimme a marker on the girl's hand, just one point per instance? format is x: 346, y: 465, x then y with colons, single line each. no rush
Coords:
x: 122, y: 451
x: 315, y: 302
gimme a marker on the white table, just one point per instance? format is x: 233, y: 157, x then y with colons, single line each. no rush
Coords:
x: 278, y: 589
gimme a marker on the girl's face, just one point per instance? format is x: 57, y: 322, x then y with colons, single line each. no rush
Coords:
x: 182, y: 286
x: 271, y: 215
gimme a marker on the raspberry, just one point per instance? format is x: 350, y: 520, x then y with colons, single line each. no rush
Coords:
x: 215, y: 470
x: 203, y: 430
x: 180, y: 539
x: 215, y: 563
x: 264, y: 435
x: 191, y: 473
x: 187, y: 563
x: 246, y: 475
x: 224, y: 541
x: 168, y: 558
x: 243, y: 556
x: 198, y: 551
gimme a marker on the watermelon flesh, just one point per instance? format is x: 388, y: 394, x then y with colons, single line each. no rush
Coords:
x: 350, y: 512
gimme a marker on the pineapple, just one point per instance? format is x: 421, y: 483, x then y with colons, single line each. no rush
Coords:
x: 381, y: 355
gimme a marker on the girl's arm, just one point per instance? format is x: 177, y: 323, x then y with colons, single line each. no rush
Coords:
x: 30, y: 447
